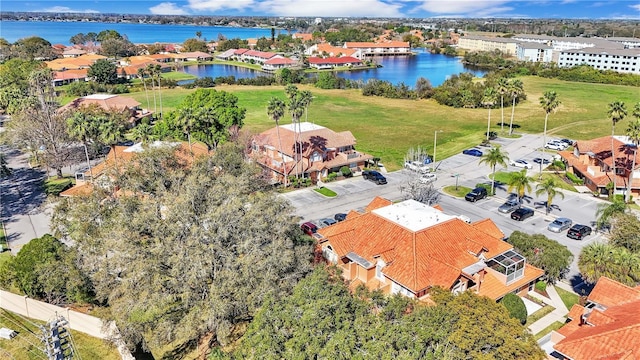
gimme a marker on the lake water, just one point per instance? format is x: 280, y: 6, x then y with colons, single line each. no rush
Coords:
x: 395, y: 69
x: 60, y: 32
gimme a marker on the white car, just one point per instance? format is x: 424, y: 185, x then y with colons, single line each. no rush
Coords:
x: 416, y: 166
x: 555, y: 146
x: 521, y: 163
x: 428, y: 178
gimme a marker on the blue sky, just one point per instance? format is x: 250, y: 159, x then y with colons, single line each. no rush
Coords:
x: 591, y: 9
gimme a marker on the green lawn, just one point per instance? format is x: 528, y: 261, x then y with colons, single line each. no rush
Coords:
x: 568, y: 298
x: 386, y: 128
x: 504, y: 177
x: 539, y: 314
x: 460, y: 192
x: 555, y: 326
x: 177, y: 76
x: 325, y: 191
x: 26, y: 345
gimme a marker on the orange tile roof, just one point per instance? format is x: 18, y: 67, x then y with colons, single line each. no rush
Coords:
x: 609, y: 292
x: 575, y: 312
x: 420, y: 259
x: 70, y: 74
x: 78, y: 190
x: 335, y: 50
x: 494, y: 288
x: 489, y: 227
x: 303, y: 36
x: 613, y: 339
x: 106, y: 102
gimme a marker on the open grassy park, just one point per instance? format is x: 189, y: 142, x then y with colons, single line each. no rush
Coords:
x: 388, y: 127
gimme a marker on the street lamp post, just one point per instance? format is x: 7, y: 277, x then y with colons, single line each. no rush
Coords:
x: 435, y: 144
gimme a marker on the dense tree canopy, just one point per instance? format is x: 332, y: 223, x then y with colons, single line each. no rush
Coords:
x: 104, y: 72
x: 191, y: 251
x: 549, y: 255
x: 14, y: 83
x: 321, y: 319
x: 194, y: 45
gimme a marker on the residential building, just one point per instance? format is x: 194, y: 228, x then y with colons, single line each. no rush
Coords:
x: 568, y: 43
x: 73, y: 53
x: 409, y: 247
x: 619, y: 60
x: 628, y: 42
x: 326, y: 49
x: 607, y: 327
x: 322, y: 151
x: 69, y: 76
x: 331, y: 62
x: 591, y: 161
x: 484, y: 43
x: 276, y: 63
x: 119, y: 157
x: 258, y: 57
x: 380, y: 49
x: 110, y: 102
x: 79, y: 62
x: 303, y: 36
x: 536, y: 52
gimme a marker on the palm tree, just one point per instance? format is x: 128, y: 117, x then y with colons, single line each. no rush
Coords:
x: 111, y: 132
x: 157, y: 71
x: 549, y: 102
x: 493, y: 158
x: 187, y: 119
x: 296, y: 108
x: 633, y: 132
x: 520, y: 182
x: 617, y: 111
x: 516, y: 89
x: 141, y: 74
x: 276, y: 110
x: 306, y: 98
x: 548, y: 186
x: 81, y: 125
x: 502, y: 86
x: 608, y: 211
x: 615, y: 262
x: 488, y: 101
x: 149, y: 70
x: 142, y: 133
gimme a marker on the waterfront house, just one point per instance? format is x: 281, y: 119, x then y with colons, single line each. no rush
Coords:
x: 591, y: 161
x: 258, y: 57
x: 606, y: 327
x: 331, y: 62
x: 380, y: 49
x: 197, y: 56
x: 109, y: 102
x: 408, y: 248
x: 276, y: 63
x: 321, y: 151
x: 326, y: 49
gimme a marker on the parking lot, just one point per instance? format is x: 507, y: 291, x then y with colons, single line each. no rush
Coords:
x: 356, y: 193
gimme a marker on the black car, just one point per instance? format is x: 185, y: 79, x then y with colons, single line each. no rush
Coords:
x: 578, y: 232
x: 374, y: 176
x: 340, y: 217
x: 521, y: 214
x: 476, y: 194
x: 541, y: 160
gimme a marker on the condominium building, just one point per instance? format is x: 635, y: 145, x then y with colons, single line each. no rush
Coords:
x: 483, y: 43
x: 620, y: 60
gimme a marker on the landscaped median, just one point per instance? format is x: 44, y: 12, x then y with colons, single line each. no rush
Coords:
x: 325, y: 191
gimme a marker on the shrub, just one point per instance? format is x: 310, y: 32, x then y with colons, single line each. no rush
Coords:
x: 346, y: 172
x: 332, y: 176
x: 574, y: 179
x: 486, y: 186
x: 558, y: 165
x: 541, y: 286
x: 515, y: 306
x: 56, y: 186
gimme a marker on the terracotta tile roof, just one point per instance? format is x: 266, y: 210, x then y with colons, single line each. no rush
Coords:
x: 303, y: 36
x: 259, y: 54
x: 280, y: 61
x: 70, y: 74
x: 489, y: 227
x: 419, y: 259
x: 609, y: 292
x: 106, y: 102
x: 575, y: 312
x: 335, y: 50
x: 240, y: 51
x: 352, y: 214
x: 494, y: 288
x: 616, y: 338
x: 78, y: 190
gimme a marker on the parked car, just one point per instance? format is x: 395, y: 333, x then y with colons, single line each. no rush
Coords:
x: 521, y: 163
x: 521, y: 214
x: 476, y: 194
x: 509, y: 206
x: 559, y: 225
x: 428, y: 178
x: 578, y: 232
x: 472, y: 152
x: 541, y: 160
x: 309, y: 228
x: 416, y: 166
x: 569, y: 142
x: 555, y: 145
x: 374, y: 176
x: 340, y: 217
x: 328, y: 221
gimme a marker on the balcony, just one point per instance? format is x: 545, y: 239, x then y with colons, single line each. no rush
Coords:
x: 511, y: 264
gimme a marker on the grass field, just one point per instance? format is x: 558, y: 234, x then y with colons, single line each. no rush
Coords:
x: 555, y: 326
x: 568, y: 298
x: 386, y: 128
x: 26, y: 345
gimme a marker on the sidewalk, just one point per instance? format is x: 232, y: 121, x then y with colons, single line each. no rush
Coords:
x: 559, y: 314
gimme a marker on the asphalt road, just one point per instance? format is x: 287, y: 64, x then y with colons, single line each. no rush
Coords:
x: 356, y: 193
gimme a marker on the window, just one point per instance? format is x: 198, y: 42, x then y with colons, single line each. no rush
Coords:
x: 379, y: 267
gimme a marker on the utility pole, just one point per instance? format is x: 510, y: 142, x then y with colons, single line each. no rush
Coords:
x: 57, y: 339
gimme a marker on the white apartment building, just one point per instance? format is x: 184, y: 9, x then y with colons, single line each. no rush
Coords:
x: 482, y: 43
x: 628, y: 42
x: 620, y: 60
x: 567, y: 43
x: 536, y: 52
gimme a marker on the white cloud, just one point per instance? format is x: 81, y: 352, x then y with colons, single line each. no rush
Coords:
x: 469, y: 7
x: 65, y: 9
x: 219, y: 5
x: 567, y: 2
x: 167, y: 8
x: 636, y: 7
x: 338, y: 8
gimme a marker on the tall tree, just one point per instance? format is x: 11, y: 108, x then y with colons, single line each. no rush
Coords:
x: 516, y: 89
x: 549, y: 103
x: 607, y: 211
x: 306, y: 99
x: 617, y: 263
x: 520, y: 182
x: 112, y: 129
x: 143, y: 133
x: 548, y: 186
x: 494, y: 157
x: 103, y: 71
x: 141, y: 74
x: 82, y: 126
x: 540, y: 251
x: 616, y: 112
x: 188, y: 121
x: 275, y: 110
x: 488, y: 101
x: 502, y: 86
x: 149, y: 69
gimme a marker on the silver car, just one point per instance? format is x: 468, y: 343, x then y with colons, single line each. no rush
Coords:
x: 509, y: 206
x: 560, y: 224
